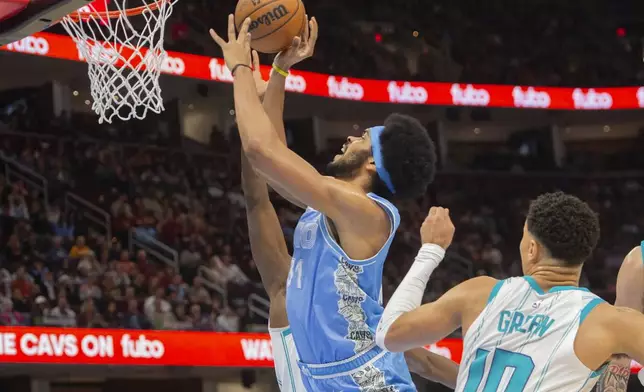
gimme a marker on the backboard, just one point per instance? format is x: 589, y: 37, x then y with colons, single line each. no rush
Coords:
x: 20, y: 18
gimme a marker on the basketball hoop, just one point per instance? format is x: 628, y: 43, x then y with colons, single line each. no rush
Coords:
x: 124, y: 56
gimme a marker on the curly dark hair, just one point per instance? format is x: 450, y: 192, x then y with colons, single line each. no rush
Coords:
x: 409, y: 155
x: 566, y: 226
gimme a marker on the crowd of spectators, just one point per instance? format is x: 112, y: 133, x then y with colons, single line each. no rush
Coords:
x: 544, y: 42
x: 58, y: 267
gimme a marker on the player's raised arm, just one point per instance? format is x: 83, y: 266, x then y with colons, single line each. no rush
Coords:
x: 267, y: 242
x: 404, y: 325
x: 630, y: 288
x: 273, y: 103
x: 271, y: 158
x: 436, y: 320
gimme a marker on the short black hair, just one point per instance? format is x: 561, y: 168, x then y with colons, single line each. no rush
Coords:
x: 566, y: 226
x: 409, y: 155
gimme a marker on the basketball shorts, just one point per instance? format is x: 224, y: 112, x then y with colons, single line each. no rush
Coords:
x: 285, y: 357
x: 375, y: 370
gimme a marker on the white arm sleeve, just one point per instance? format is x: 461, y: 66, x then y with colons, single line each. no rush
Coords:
x: 409, y: 295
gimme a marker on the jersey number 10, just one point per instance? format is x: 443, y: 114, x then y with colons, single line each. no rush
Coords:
x: 522, y: 365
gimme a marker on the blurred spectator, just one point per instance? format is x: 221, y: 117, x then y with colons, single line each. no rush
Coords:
x: 79, y: 249
x: 112, y: 317
x: 22, y: 283
x: 39, y: 309
x: 11, y: 317
x: 198, y: 293
x: 156, y: 304
x: 133, y: 319
x: 89, y: 317
x: 62, y: 314
x: 228, y: 321
x: 56, y: 258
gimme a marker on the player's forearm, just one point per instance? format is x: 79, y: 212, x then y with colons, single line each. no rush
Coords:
x: 267, y: 243
x: 274, y: 103
x: 274, y: 107
x: 615, y: 378
x: 408, y: 296
x: 432, y: 367
x: 255, y: 128
x: 254, y: 187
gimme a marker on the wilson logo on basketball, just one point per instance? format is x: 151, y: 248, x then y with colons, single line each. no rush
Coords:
x: 640, y: 96
x: 469, y: 96
x: 592, y: 100
x: 219, y: 71
x: 406, y: 93
x: 530, y: 98
x: 268, y: 18
x: 30, y: 45
x: 345, y: 89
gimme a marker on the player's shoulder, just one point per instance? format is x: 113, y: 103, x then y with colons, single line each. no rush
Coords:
x: 607, y: 318
x: 633, y: 260
x: 481, y: 287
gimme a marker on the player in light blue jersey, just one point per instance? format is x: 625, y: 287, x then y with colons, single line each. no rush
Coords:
x: 334, y: 298
x: 269, y: 249
x: 540, y: 332
x: 629, y: 294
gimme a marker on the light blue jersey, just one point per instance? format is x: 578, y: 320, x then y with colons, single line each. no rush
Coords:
x: 334, y: 305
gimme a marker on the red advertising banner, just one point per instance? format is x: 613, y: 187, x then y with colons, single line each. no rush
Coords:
x: 71, y: 346
x: 369, y: 90
x: 161, y: 348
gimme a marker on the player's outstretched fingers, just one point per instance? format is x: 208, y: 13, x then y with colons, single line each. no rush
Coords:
x: 255, y: 61
x: 231, y: 28
x: 243, y: 31
x: 313, y: 38
x: 218, y: 40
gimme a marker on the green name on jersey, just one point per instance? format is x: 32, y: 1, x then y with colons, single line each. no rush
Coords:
x: 511, y: 321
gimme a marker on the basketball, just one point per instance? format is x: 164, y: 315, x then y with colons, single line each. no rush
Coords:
x: 274, y: 23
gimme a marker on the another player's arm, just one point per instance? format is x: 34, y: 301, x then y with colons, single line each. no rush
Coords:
x: 266, y: 239
x: 624, y: 328
x: 432, y: 366
x: 436, y: 320
x: 630, y: 288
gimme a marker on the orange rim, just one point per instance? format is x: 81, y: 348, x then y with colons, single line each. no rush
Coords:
x: 77, y: 16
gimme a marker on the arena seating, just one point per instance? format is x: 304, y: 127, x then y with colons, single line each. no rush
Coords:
x: 455, y: 41
x: 99, y: 233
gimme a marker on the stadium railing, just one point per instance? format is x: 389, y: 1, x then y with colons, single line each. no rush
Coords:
x: 141, y: 239
x: 15, y: 171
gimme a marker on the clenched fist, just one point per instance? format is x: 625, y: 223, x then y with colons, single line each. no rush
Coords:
x: 437, y: 228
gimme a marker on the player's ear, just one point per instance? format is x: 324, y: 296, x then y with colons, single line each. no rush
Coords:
x: 371, y: 166
x: 534, y: 251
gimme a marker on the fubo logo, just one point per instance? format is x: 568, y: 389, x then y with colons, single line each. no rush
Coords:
x: 345, y: 89
x: 469, y: 96
x: 530, y: 98
x: 592, y: 100
x: 407, y: 93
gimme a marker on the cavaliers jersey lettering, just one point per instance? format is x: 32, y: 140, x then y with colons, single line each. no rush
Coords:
x: 333, y: 303
x: 523, y: 341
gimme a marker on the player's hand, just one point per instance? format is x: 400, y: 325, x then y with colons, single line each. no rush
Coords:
x: 260, y: 83
x: 301, y: 49
x: 237, y: 49
x: 437, y: 228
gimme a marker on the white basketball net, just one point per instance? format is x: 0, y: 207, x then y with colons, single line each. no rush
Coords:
x: 125, y: 58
